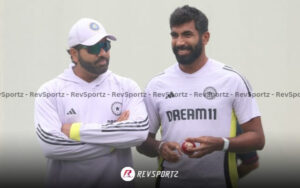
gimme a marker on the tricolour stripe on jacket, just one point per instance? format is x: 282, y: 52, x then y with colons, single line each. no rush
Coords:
x: 127, y: 126
x: 129, y: 123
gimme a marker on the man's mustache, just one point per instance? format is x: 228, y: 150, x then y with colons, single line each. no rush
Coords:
x: 177, y: 48
x: 101, y: 58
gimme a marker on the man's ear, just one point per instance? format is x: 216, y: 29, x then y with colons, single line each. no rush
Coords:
x: 74, y: 54
x: 205, y: 37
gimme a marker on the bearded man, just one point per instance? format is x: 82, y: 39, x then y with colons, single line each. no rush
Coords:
x: 206, y: 116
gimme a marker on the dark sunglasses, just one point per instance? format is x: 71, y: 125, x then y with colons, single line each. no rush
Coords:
x: 96, y: 48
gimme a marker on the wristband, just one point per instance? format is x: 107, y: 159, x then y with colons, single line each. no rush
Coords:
x: 226, y: 144
x: 75, y: 131
x: 160, y: 145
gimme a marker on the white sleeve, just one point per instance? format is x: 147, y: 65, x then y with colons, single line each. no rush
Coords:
x: 152, y: 110
x: 245, y: 106
x: 54, y: 143
x: 124, y: 134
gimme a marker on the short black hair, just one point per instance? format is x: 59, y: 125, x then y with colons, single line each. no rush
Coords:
x: 77, y: 47
x: 186, y: 14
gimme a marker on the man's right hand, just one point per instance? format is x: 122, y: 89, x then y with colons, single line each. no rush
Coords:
x: 168, y: 151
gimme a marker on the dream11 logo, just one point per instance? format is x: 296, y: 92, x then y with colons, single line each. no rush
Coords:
x: 127, y: 173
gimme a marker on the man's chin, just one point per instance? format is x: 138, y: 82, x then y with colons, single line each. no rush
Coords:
x: 184, y: 60
x: 99, y: 70
x: 101, y: 67
x: 102, y: 70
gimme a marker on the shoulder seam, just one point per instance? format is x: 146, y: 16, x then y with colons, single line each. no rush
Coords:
x: 245, y: 82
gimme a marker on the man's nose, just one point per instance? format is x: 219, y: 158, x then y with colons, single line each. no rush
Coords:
x: 103, y: 52
x: 180, y: 41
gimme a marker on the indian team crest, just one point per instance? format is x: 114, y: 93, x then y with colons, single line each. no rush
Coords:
x: 94, y: 26
x: 116, y: 108
x: 210, y: 93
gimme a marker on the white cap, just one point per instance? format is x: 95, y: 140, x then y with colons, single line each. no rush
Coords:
x: 87, y: 32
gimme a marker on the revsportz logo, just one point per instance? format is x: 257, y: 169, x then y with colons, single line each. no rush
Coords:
x: 127, y: 173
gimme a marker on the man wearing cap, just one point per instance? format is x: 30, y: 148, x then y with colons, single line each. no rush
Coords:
x: 84, y: 122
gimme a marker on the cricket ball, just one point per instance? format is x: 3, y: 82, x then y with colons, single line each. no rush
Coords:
x: 186, y: 145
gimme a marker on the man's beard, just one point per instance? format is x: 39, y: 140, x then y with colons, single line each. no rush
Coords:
x: 188, y: 59
x: 92, y: 67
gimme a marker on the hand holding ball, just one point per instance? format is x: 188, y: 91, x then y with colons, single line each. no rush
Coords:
x: 188, y: 145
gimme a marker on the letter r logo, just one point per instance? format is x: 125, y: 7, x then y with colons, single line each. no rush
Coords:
x: 127, y: 173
